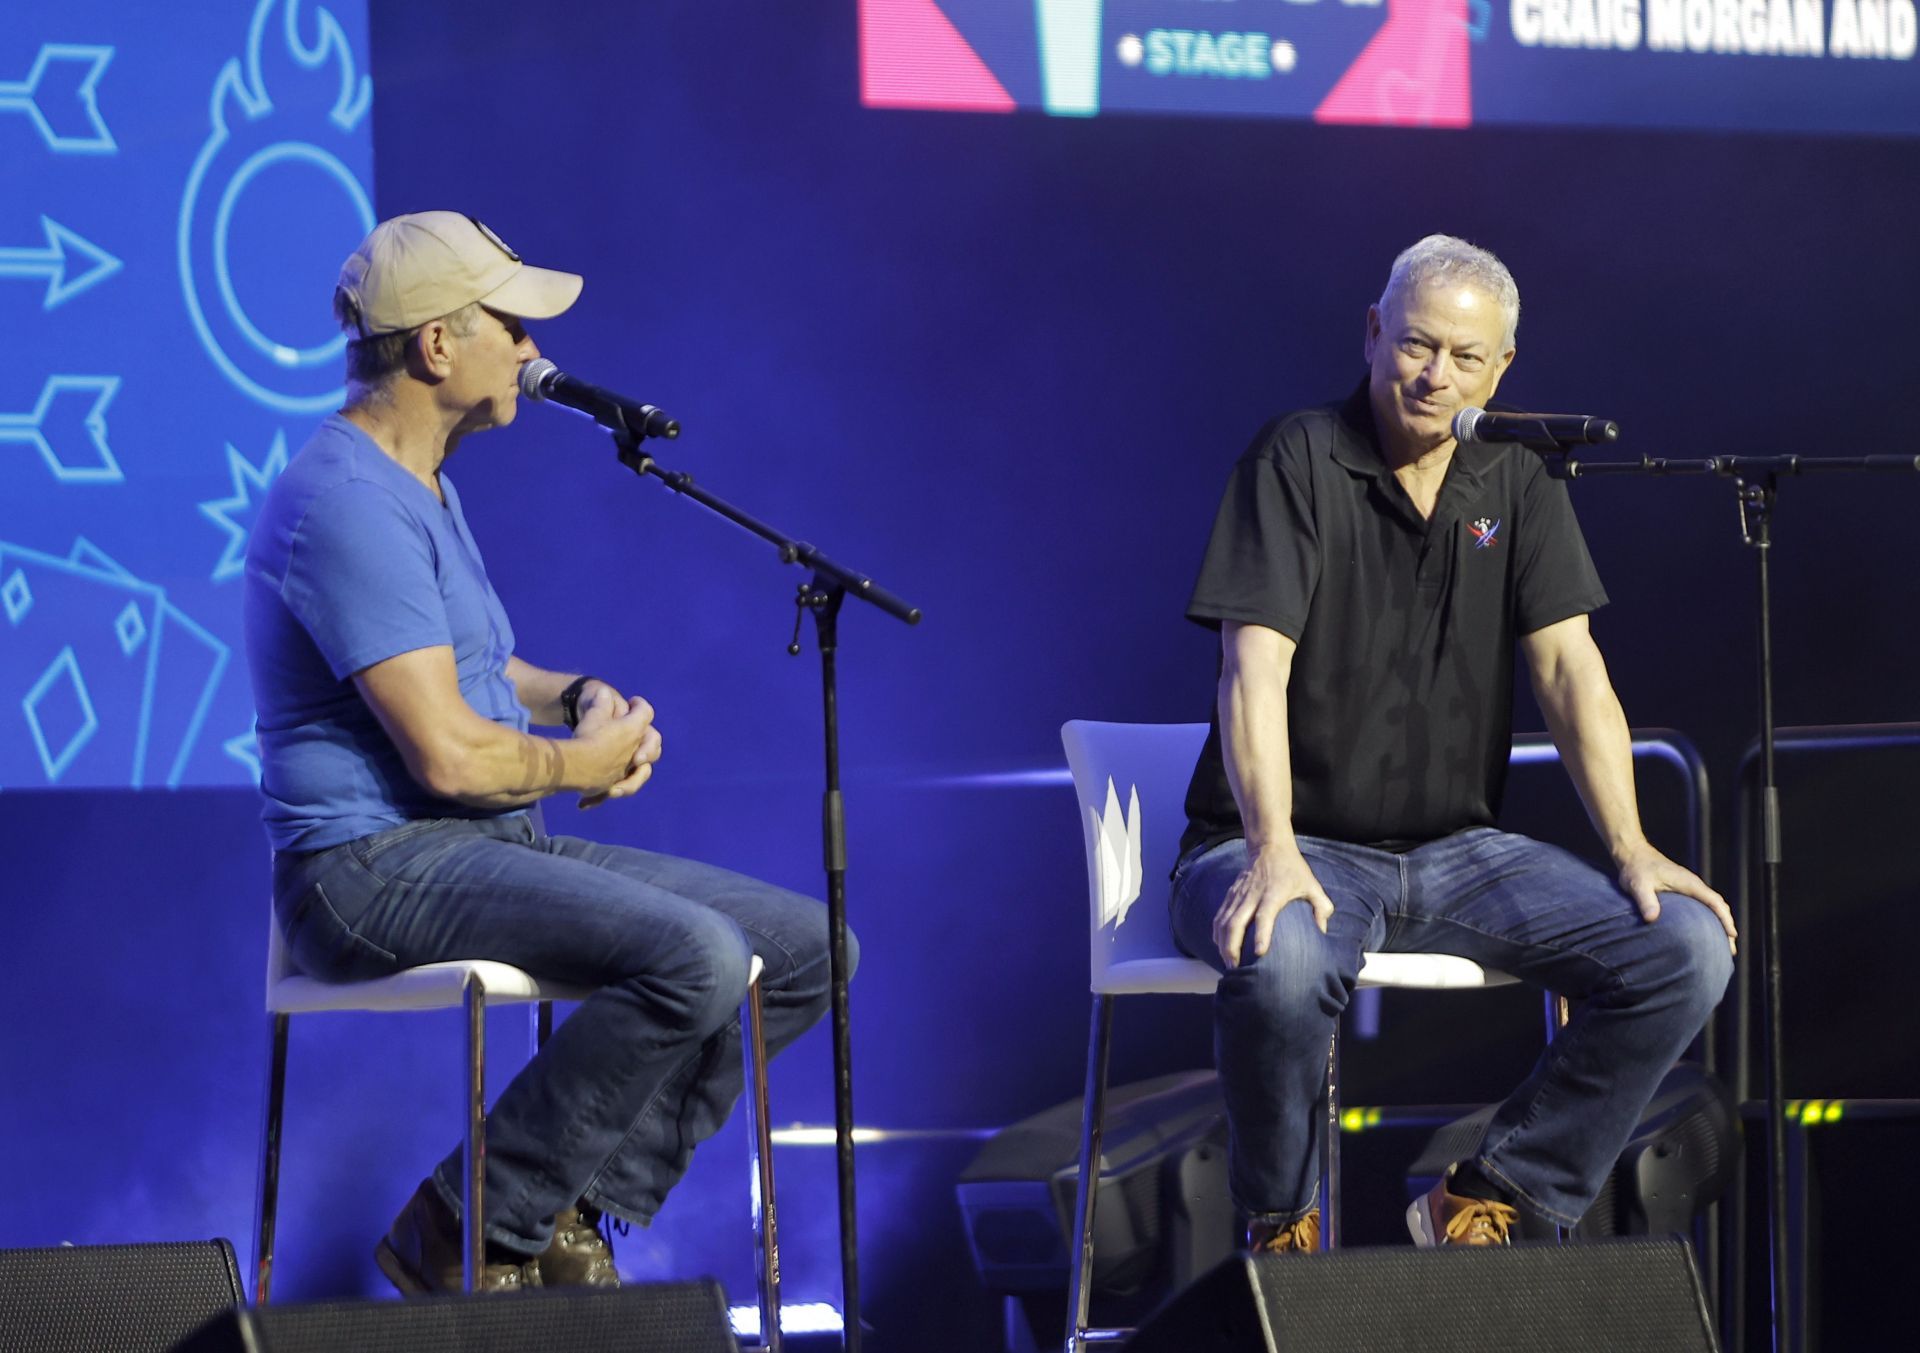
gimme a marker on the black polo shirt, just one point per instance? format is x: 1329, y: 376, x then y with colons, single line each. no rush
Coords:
x: 1400, y: 703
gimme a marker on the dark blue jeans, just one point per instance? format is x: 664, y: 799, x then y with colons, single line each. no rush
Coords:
x: 649, y: 1066
x: 1640, y: 993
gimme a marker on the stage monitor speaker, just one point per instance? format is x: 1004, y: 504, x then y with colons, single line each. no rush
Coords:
x: 689, y: 1317
x: 1593, y: 1298
x: 1163, y: 1218
x: 128, y: 1298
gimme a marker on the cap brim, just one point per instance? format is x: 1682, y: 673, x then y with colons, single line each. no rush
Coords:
x: 535, y: 293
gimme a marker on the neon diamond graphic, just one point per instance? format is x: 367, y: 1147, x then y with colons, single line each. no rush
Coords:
x: 130, y: 628
x: 16, y: 597
x: 66, y: 667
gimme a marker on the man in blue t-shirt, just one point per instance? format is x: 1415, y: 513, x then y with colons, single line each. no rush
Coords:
x: 397, y: 771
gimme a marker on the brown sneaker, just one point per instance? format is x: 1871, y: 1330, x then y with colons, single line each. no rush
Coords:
x: 579, y: 1256
x: 1273, y: 1237
x: 422, y: 1251
x: 1441, y: 1217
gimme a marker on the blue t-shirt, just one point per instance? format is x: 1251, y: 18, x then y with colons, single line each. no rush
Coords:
x: 353, y: 561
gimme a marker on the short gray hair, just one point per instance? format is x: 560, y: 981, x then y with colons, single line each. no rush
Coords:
x: 1446, y: 258
x: 373, y: 362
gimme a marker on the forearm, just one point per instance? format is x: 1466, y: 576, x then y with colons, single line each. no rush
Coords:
x: 1256, y: 664
x: 539, y: 691
x: 1253, y: 736
x: 451, y: 751
x: 1590, y: 729
x: 488, y: 765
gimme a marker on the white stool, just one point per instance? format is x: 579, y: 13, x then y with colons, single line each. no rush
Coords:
x: 474, y: 984
x: 1129, y: 860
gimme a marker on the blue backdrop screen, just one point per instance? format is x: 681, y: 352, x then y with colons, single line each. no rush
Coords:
x: 181, y: 184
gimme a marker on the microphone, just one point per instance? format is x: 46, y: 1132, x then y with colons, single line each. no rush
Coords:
x: 542, y: 380
x: 1549, y: 430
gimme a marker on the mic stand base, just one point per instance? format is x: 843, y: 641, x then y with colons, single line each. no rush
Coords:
x: 1756, y: 499
x: 823, y: 597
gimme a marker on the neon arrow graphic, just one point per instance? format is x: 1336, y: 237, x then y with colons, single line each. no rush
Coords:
x: 51, y: 263
x: 22, y: 96
x: 82, y: 403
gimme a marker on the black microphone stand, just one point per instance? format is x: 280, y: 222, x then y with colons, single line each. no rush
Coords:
x: 821, y: 594
x: 1756, y: 481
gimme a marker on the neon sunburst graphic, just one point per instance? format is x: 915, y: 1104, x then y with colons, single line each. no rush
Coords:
x: 270, y: 113
x: 235, y: 515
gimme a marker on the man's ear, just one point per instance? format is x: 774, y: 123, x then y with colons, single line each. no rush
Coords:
x: 430, y: 354
x: 1373, y: 332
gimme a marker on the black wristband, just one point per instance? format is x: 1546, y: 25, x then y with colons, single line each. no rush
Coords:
x: 570, y: 700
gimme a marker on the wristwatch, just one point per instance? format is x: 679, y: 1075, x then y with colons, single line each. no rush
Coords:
x: 570, y: 700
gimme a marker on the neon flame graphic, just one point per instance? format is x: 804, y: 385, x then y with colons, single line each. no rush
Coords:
x: 253, y: 130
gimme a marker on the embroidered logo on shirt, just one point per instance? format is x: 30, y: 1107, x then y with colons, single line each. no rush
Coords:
x: 1485, y: 532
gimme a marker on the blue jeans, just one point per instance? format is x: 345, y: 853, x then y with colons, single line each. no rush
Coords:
x: 1640, y: 993
x: 649, y: 1066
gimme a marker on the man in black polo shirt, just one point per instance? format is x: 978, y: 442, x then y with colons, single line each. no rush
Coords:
x: 1369, y: 578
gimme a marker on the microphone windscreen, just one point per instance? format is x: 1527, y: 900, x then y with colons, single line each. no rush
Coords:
x: 533, y: 377
x: 1464, y: 423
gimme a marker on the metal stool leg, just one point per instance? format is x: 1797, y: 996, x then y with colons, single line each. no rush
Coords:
x: 1330, y: 1149
x: 766, y: 1240
x: 475, y: 1256
x: 1559, y: 1011
x: 539, y: 1026
x: 1093, y: 1115
x: 267, y: 1198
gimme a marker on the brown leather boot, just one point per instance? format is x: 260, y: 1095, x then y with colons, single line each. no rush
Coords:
x: 421, y: 1253
x: 1442, y: 1217
x: 579, y: 1256
x: 1273, y: 1237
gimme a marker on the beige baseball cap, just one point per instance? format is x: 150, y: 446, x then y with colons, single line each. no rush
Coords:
x: 431, y: 263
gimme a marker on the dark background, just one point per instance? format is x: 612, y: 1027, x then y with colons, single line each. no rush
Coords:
x: 1003, y: 364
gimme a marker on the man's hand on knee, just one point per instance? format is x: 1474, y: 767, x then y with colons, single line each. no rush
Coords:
x: 1645, y: 873
x: 1275, y: 877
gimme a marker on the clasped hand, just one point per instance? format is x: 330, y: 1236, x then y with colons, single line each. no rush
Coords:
x: 624, y: 724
